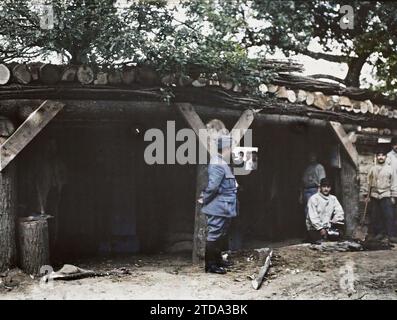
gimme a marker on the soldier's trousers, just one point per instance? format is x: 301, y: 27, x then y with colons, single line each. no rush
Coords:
x: 217, y: 240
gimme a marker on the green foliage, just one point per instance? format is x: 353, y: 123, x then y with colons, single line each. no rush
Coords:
x: 213, y: 36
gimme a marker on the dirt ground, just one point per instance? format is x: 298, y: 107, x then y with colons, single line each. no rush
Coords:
x: 297, y: 272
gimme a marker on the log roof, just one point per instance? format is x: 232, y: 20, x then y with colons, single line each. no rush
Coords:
x: 283, y: 93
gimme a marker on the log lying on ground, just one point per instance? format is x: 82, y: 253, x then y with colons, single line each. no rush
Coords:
x: 257, y: 282
x: 71, y: 272
x: 50, y: 74
x: 85, y: 75
x: 21, y: 74
x: 33, y: 245
x: 5, y: 74
x: 333, y: 246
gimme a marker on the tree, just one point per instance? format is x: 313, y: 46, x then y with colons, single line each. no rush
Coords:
x: 292, y: 25
x: 99, y: 32
x: 94, y: 31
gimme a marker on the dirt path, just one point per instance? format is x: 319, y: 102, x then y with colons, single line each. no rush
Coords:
x: 297, y: 273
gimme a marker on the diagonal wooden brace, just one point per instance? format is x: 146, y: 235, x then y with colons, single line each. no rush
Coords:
x: 36, y: 121
x: 346, y: 141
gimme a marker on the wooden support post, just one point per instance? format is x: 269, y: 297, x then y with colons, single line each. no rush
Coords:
x: 37, y: 120
x: 241, y: 126
x: 190, y: 115
x: 345, y: 141
x: 7, y: 206
x: 350, y: 194
x: 200, y: 224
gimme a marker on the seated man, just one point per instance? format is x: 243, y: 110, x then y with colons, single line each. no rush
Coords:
x: 325, y: 214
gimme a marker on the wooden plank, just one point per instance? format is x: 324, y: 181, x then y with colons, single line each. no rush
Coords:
x: 199, y: 236
x: 345, y: 141
x: 194, y: 120
x: 350, y: 191
x: 241, y: 126
x: 37, y: 120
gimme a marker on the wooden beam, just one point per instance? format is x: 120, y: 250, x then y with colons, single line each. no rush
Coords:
x: 37, y: 120
x: 345, y: 140
x: 194, y: 120
x: 241, y: 126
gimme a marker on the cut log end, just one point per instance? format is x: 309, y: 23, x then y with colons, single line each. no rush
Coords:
x: 5, y: 74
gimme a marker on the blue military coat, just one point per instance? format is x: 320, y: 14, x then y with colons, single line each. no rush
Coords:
x: 220, y: 196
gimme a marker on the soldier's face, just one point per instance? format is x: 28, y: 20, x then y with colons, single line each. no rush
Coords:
x: 394, y: 147
x: 381, y: 158
x: 325, y: 190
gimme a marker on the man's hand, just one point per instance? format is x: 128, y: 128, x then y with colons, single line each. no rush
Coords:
x: 200, y: 200
x: 393, y: 200
x: 323, y: 233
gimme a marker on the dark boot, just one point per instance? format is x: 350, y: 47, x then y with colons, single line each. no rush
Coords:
x: 211, y: 255
x: 222, y: 245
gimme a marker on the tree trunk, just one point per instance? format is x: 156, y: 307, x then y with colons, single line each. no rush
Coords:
x: 353, y: 75
x: 7, y: 206
x: 33, y: 245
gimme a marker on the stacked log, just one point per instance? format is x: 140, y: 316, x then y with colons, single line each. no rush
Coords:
x: 85, y: 75
x: 50, y: 74
x: 101, y: 78
x: 128, y: 75
x: 69, y: 74
x: 5, y: 74
x: 147, y: 76
x: 115, y: 77
x: 21, y: 73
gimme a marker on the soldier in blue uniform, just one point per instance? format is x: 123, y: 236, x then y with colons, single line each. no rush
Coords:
x: 219, y: 204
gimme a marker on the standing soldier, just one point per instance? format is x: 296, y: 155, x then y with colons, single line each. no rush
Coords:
x: 311, y: 179
x: 382, y: 188
x: 219, y: 204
